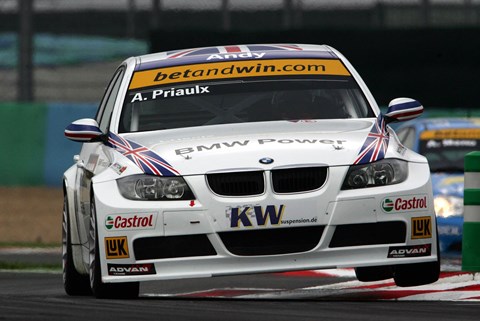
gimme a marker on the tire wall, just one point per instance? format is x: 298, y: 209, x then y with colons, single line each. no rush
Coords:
x: 34, y: 150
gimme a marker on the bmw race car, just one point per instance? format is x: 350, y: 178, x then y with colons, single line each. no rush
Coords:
x: 445, y: 142
x: 243, y: 159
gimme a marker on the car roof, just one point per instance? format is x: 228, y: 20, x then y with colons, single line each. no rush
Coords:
x: 233, y: 52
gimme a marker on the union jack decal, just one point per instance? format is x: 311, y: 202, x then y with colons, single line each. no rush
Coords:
x: 230, y: 49
x: 146, y: 159
x: 375, y: 146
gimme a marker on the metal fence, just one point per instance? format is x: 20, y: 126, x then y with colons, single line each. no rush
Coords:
x: 133, y: 17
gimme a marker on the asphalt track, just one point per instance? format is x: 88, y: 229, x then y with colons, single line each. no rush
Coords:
x: 307, y: 295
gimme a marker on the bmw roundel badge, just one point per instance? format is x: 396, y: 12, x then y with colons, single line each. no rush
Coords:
x: 266, y: 160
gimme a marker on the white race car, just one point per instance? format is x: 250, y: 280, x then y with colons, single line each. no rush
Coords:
x: 243, y: 159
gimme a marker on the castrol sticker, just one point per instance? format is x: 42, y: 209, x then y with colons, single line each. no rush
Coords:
x: 142, y: 221
x: 407, y: 203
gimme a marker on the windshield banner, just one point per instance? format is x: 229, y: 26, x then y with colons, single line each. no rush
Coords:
x: 237, y: 69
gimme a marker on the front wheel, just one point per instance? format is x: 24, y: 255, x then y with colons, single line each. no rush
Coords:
x: 73, y: 282
x: 102, y: 290
x: 416, y: 274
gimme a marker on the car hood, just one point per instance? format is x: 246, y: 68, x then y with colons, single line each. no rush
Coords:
x: 448, y: 184
x: 218, y: 148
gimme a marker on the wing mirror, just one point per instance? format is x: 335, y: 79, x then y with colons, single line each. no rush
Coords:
x: 403, y: 109
x: 83, y: 130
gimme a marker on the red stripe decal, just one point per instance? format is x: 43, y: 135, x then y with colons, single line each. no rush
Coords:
x: 233, y: 49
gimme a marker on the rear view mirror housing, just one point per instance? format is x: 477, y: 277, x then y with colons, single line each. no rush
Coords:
x: 403, y: 109
x: 84, y: 130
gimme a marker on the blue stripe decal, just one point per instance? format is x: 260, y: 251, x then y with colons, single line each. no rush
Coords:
x: 403, y: 106
x: 82, y: 128
x: 192, y: 60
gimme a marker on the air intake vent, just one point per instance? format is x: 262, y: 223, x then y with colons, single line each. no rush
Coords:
x: 272, y: 241
x: 294, y: 180
x: 166, y: 247
x: 369, y: 234
x: 237, y: 184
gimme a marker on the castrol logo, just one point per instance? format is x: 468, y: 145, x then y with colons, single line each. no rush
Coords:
x: 130, y: 222
x: 408, y: 203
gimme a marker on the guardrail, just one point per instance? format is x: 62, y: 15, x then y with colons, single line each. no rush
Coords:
x: 471, y: 223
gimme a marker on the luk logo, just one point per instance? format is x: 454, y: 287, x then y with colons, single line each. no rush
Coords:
x: 387, y: 205
x: 128, y: 222
x: 116, y: 247
x: 246, y: 215
x: 421, y: 227
x: 409, y: 203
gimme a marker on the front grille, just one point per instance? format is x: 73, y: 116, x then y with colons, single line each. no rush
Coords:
x: 369, y: 234
x: 294, y: 180
x: 272, y: 241
x: 237, y: 184
x: 165, y: 247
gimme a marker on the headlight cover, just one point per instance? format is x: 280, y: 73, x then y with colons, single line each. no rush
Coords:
x: 154, y: 188
x: 381, y: 173
x: 446, y: 205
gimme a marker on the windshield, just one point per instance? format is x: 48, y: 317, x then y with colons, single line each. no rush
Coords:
x: 240, y: 101
x: 446, y: 149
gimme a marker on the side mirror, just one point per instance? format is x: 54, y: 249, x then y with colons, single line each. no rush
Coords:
x: 83, y: 130
x: 403, y: 109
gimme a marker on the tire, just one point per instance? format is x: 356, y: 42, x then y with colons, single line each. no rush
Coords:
x: 406, y: 275
x: 102, y: 290
x: 74, y: 283
x: 416, y: 274
x: 373, y: 273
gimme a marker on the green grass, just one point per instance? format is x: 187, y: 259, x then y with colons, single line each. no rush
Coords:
x: 30, y: 245
x: 30, y: 266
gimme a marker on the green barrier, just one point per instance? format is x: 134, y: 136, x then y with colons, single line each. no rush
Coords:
x: 472, y: 163
x: 471, y: 247
x: 472, y: 195
x: 471, y: 224
x: 22, y: 141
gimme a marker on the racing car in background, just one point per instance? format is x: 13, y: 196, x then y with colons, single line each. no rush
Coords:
x: 243, y: 159
x: 445, y: 142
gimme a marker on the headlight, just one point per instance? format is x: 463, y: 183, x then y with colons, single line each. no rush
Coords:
x: 446, y: 206
x: 154, y: 188
x: 381, y: 173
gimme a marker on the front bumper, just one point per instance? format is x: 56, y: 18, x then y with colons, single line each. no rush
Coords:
x: 214, y: 235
